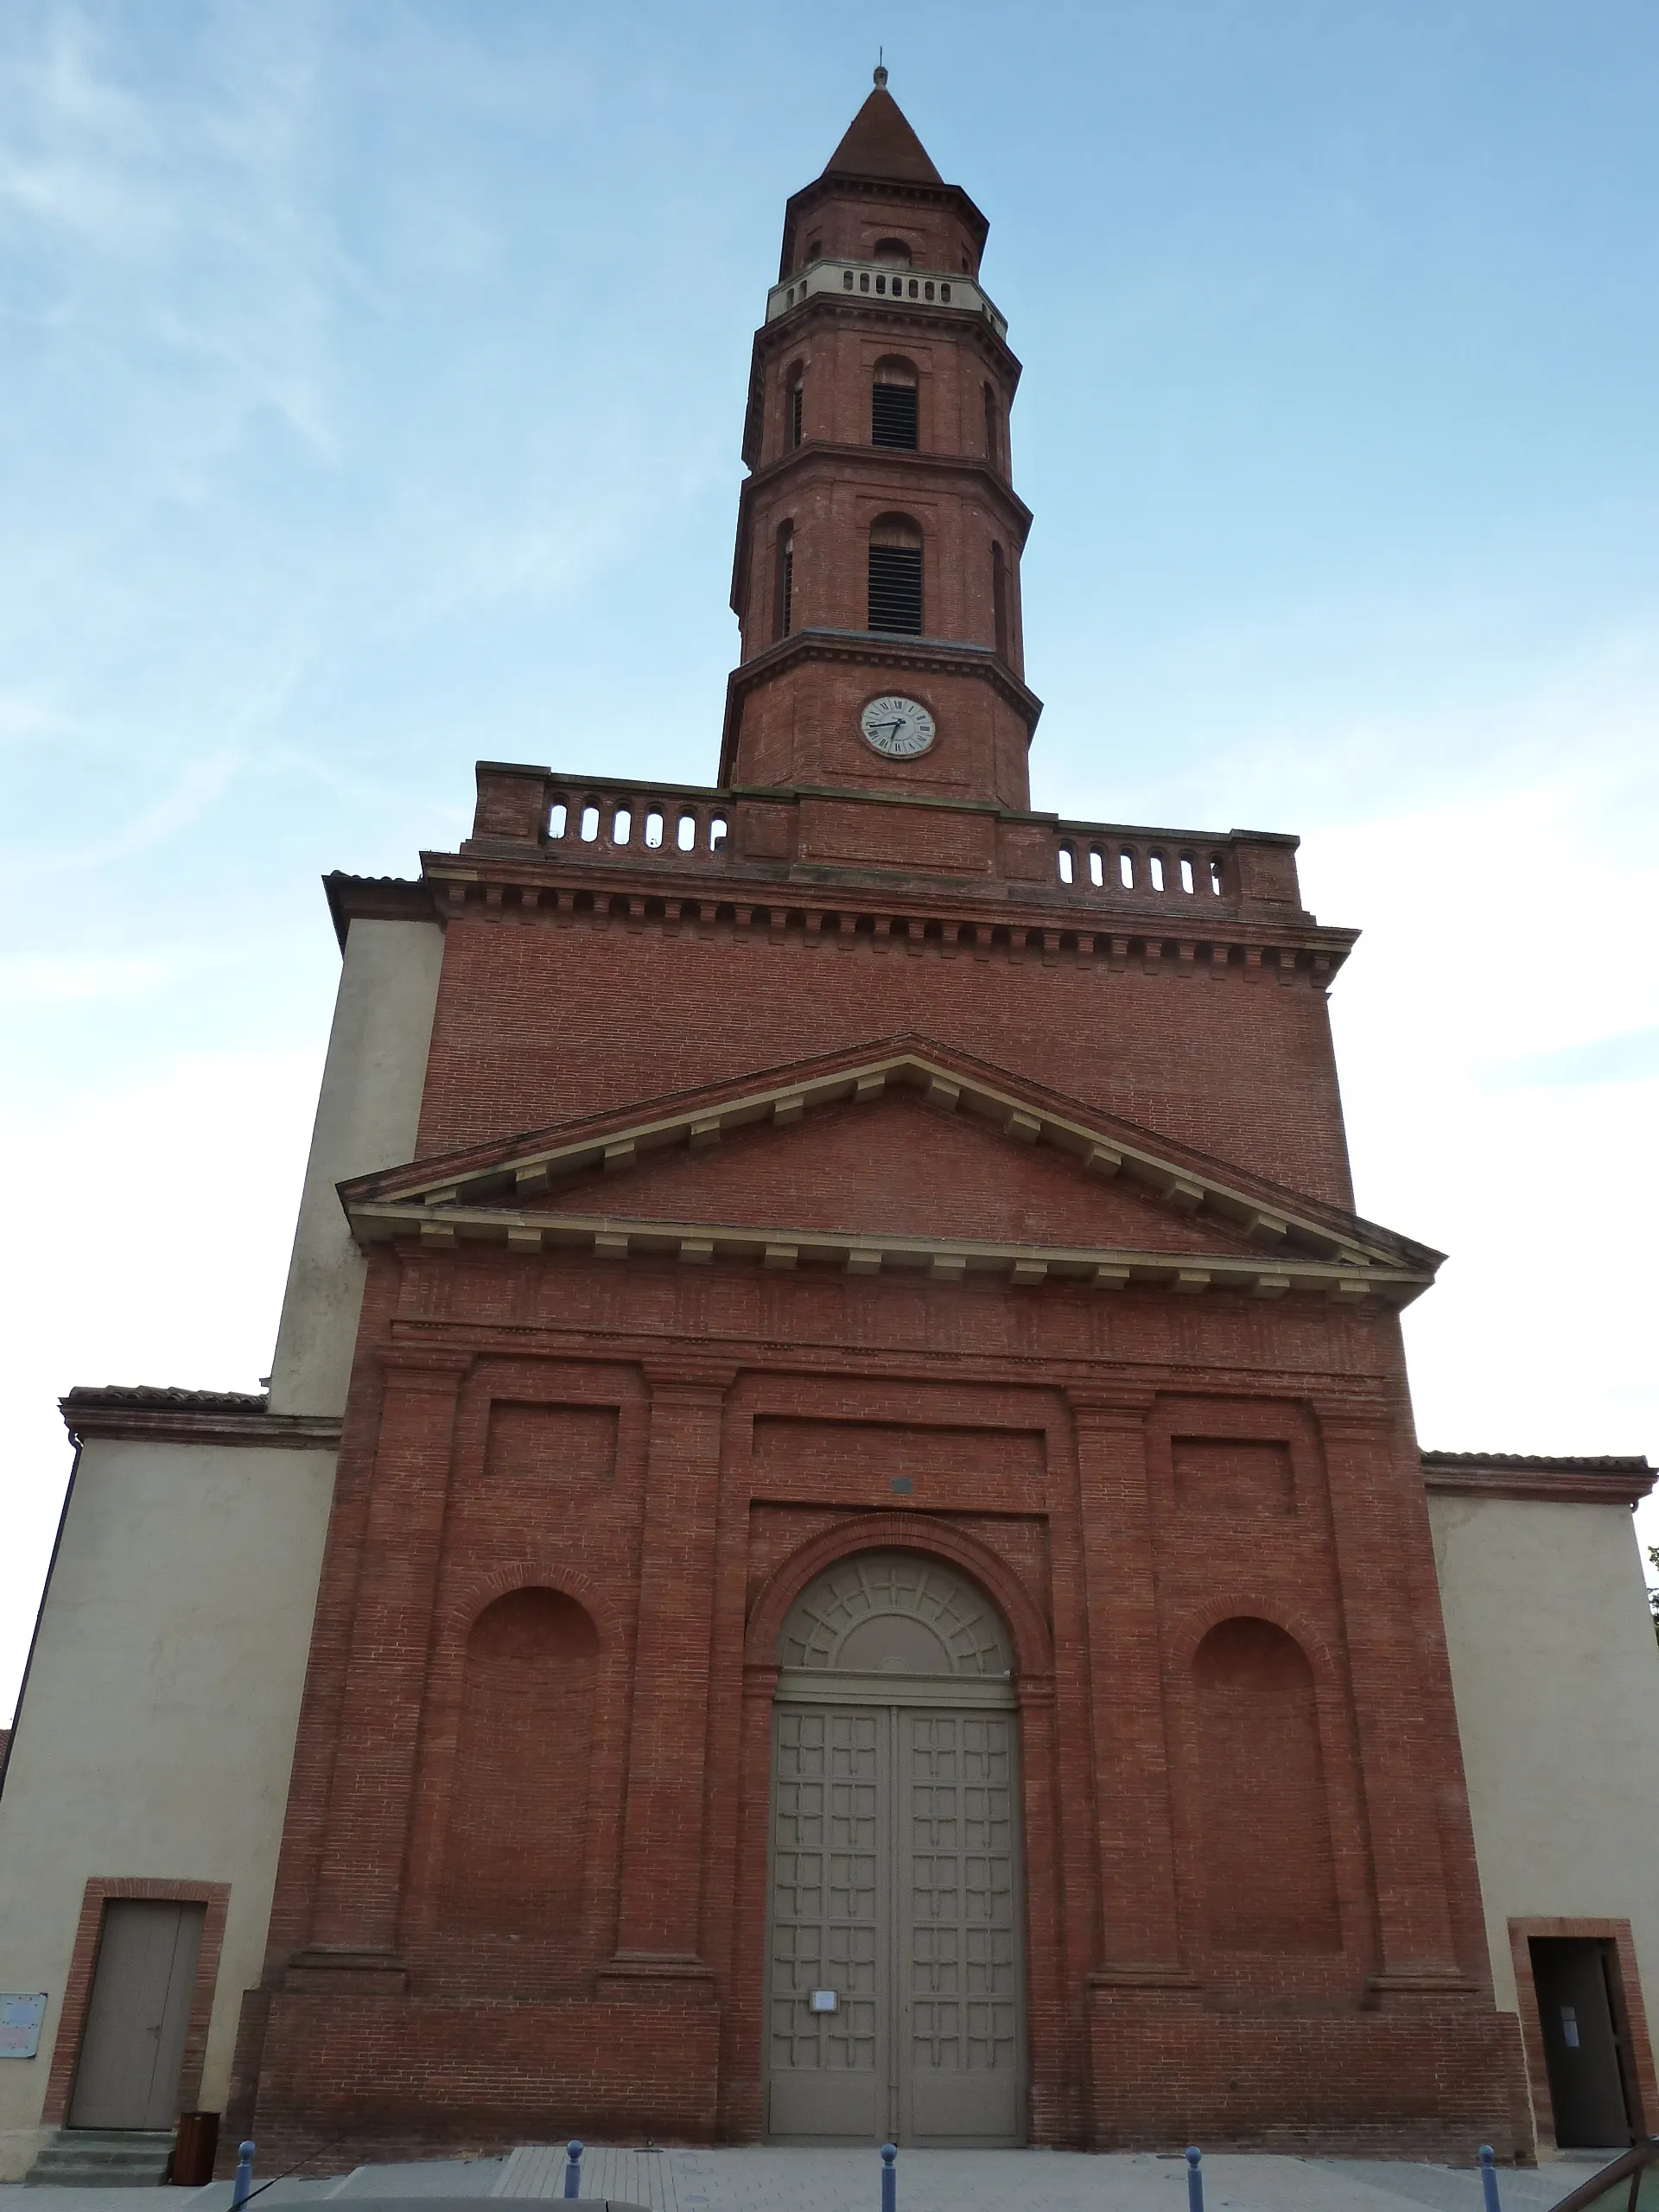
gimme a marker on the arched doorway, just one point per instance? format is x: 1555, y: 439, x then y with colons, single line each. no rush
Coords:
x: 895, y: 1945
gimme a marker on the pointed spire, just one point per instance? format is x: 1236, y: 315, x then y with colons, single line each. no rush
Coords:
x: 880, y: 142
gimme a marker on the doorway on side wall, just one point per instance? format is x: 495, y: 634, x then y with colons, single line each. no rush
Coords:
x: 132, y: 2050
x: 1576, y: 1979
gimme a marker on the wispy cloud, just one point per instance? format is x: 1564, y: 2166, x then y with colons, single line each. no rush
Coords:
x: 58, y: 978
x: 199, y: 787
x: 1631, y: 1057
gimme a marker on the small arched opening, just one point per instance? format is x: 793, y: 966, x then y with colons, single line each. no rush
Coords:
x: 783, y: 588
x: 794, y: 403
x: 999, y: 599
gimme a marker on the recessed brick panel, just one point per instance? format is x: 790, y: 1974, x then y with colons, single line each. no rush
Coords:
x: 1243, y: 1475
x: 1269, y: 1875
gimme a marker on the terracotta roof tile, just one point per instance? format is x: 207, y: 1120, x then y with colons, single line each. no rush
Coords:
x: 1629, y: 1465
x: 880, y: 143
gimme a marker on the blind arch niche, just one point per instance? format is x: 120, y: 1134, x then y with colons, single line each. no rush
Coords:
x: 895, y: 1628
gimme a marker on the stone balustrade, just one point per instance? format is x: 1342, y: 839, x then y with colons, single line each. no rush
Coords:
x: 1189, y: 877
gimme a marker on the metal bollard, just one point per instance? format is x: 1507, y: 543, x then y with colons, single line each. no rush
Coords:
x: 889, y: 2177
x: 573, y: 2167
x: 243, y: 2182
x: 1489, y: 2177
x: 1194, y: 2180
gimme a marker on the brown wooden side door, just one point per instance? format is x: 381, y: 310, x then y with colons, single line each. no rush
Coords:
x: 133, y: 2047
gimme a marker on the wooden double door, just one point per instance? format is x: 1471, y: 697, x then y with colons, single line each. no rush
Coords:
x: 895, y: 1954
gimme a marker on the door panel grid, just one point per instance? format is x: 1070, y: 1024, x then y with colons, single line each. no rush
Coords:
x: 825, y: 1889
x: 894, y: 1885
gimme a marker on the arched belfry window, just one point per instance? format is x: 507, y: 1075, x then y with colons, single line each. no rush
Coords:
x: 894, y: 416
x: 895, y: 575
x: 794, y: 405
x: 784, y: 582
x: 1000, y: 598
x: 893, y: 250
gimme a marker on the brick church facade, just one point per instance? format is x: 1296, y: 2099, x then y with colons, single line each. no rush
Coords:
x: 878, y: 1472
x: 841, y: 1552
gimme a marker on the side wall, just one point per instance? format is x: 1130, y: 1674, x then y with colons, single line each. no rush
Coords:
x: 155, y: 1733
x: 1556, y: 1677
x: 367, y: 1114
x: 155, y: 1741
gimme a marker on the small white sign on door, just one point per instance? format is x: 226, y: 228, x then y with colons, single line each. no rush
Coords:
x: 823, y: 2000
x: 20, y: 2024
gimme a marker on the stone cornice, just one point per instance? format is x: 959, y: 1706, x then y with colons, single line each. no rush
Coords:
x: 942, y: 1259
x: 850, y: 184
x: 902, y: 321
x: 1191, y: 1184
x: 491, y: 1194
x: 828, y: 907
x: 867, y: 460
x: 149, y: 1414
x: 873, y: 649
x: 1528, y: 1476
x: 376, y: 898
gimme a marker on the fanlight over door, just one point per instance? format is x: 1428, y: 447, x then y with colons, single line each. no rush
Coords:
x: 895, y: 1952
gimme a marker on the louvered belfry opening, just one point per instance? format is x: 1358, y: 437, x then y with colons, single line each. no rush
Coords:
x: 894, y: 419
x: 896, y: 576
x: 784, y: 610
x: 795, y: 408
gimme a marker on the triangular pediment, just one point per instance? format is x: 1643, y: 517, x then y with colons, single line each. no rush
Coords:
x: 911, y: 1156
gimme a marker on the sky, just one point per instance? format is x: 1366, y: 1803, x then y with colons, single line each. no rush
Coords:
x: 372, y: 381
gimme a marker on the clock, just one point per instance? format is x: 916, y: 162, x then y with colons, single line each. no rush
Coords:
x: 898, y: 727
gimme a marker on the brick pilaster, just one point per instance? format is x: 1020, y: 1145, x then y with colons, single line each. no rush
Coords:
x: 662, y: 1846
x: 1402, y: 1762
x: 1141, y: 1933
x: 361, y: 1879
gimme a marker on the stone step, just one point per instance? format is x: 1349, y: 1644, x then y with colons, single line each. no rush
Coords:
x: 103, y: 2158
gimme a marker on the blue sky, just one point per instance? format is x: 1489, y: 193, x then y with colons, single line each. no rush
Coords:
x: 372, y: 382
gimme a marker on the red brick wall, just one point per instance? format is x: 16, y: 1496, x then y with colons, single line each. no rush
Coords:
x: 576, y: 1498
x: 678, y: 1451
x: 518, y: 1810
x: 542, y: 1019
x: 1269, y: 1876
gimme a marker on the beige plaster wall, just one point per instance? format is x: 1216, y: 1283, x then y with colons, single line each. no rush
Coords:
x: 156, y: 1729
x: 156, y: 1733
x: 1556, y: 1676
x: 367, y: 1114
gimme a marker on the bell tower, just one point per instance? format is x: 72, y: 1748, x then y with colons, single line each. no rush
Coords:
x: 876, y: 579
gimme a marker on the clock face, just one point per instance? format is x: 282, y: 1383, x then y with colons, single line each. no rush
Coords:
x: 899, y: 728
